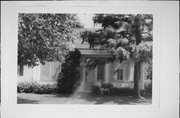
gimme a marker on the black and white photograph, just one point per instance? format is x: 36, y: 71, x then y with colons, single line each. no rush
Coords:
x: 95, y: 59
x: 84, y: 58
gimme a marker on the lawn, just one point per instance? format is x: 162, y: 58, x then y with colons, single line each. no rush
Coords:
x: 80, y: 98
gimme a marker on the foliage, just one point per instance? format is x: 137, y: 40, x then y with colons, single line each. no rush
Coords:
x: 96, y: 90
x: 125, y: 36
x: 147, y: 92
x: 106, y: 85
x: 69, y: 78
x: 24, y: 87
x: 91, y: 62
x: 45, y: 36
x: 121, y: 91
x: 149, y: 70
x: 142, y: 52
x: 36, y: 88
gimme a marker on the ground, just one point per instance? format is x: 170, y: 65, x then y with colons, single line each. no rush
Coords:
x: 81, y: 98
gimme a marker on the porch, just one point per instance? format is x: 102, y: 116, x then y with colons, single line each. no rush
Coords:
x: 121, y: 75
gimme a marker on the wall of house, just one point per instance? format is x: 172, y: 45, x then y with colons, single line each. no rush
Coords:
x: 49, y: 72
x: 30, y: 74
x: 128, y: 74
x: 90, y: 79
x: 111, y: 76
x: 43, y: 74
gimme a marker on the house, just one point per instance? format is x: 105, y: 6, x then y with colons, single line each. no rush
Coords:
x: 42, y: 74
x: 118, y: 74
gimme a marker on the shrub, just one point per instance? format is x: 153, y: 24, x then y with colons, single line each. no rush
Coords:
x: 106, y: 85
x: 114, y: 91
x: 121, y: 91
x: 70, y: 75
x: 147, y: 92
x: 36, y: 88
x: 96, y: 90
x: 25, y: 88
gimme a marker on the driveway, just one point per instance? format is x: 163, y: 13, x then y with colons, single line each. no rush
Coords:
x: 78, y: 98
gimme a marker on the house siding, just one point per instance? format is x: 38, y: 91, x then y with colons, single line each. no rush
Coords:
x: 111, y: 77
x: 48, y: 74
x: 30, y: 74
x: 128, y: 74
x: 42, y: 74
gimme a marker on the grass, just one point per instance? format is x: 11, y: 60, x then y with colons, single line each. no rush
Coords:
x: 80, y: 98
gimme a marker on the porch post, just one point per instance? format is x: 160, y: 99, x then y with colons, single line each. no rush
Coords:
x: 95, y: 76
x: 84, y: 72
x: 107, y: 72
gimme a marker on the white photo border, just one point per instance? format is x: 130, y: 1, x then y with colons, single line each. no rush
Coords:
x: 10, y: 11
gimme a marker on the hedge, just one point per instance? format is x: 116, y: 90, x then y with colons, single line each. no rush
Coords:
x: 36, y: 88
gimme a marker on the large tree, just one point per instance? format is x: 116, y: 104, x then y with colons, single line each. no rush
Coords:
x: 125, y: 36
x: 45, y: 37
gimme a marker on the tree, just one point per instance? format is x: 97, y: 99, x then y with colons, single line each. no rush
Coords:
x: 125, y: 36
x: 45, y: 37
x: 69, y: 78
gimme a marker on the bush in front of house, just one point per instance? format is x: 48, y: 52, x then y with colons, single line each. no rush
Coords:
x: 24, y: 88
x: 69, y: 78
x: 36, y: 88
x: 147, y: 92
x: 106, y: 85
x: 121, y: 91
x: 96, y: 90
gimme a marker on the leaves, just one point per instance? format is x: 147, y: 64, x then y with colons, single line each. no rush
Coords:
x: 45, y: 37
x: 70, y: 75
x: 132, y: 39
x: 142, y: 52
x: 124, y: 35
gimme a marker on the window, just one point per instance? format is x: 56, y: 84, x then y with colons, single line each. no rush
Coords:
x: 20, y: 70
x: 120, y: 74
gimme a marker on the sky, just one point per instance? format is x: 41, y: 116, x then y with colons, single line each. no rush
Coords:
x: 87, y: 21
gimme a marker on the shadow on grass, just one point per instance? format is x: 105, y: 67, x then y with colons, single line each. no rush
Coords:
x: 126, y: 100
x: 26, y: 101
x: 82, y: 98
x: 102, y: 99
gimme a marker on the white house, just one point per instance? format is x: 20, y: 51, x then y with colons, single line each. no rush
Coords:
x: 42, y: 74
x: 118, y: 74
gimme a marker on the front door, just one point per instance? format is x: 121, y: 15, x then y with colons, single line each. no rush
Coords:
x: 89, y: 79
x: 94, y: 76
x: 100, y: 73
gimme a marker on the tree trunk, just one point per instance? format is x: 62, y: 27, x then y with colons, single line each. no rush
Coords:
x: 136, y: 80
